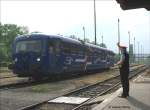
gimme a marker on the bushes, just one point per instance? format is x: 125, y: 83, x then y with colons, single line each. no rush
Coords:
x: 4, y: 64
x: 7, y: 34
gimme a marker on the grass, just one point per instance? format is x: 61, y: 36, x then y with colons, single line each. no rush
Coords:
x: 4, y: 69
x: 40, y: 88
x: 46, y: 87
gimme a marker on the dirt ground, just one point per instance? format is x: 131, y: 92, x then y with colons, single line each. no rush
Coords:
x: 17, y: 98
x: 20, y: 97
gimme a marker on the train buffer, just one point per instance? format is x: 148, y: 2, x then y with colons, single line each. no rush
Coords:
x: 139, y: 98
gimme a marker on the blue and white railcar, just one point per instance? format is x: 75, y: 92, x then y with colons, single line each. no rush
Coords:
x: 38, y: 55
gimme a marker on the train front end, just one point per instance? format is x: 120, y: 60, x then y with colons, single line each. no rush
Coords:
x: 28, y: 56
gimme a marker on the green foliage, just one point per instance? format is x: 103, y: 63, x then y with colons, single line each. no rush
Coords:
x: 73, y: 37
x: 92, y: 42
x: 116, y: 57
x: 7, y: 34
x: 148, y: 61
x: 131, y: 56
x: 87, y: 40
x: 103, y: 45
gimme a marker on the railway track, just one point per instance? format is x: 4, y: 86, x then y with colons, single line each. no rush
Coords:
x: 90, y: 92
x: 27, y: 83
x: 6, y: 77
x: 112, y: 85
x: 132, y: 65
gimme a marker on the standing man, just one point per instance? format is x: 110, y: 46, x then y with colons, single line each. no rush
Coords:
x: 124, y: 70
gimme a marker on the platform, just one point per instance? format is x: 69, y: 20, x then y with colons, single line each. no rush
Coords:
x: 139, y: 98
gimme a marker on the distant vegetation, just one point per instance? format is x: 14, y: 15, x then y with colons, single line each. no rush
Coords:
x: 103, y: 45
x: 148, y: 61
x: 7, y: 34
x: 88, y: 41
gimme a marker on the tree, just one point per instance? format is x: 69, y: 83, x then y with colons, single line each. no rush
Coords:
x: 73, y: 37
x: 7, y: 34
x: 103, y: 45
x: 148, y: 61
x: 116, y: 58
x: 87, y: 40
x: 131, y: 57
x: 93, y: 42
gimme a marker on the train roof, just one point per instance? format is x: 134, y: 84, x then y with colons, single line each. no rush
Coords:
x: 65, y: 39
x: 39, y: 35
x: 95, y: 46
x: 33, y: 36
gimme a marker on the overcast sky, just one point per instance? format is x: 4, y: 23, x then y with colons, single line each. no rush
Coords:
x: 68, y: 18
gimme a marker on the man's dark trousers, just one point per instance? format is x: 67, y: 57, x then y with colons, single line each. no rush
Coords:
x: 124, y: 74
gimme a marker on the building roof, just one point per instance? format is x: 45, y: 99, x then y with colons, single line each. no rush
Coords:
x: 133, y: 4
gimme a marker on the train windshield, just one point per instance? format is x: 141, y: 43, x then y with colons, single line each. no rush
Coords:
x: 29, y: 46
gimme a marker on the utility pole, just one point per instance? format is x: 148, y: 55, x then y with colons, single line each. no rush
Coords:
x: 143, y: 56
x: 138, y: 52
x: 102, y: 39
x: 134, y: 51
x: 84, y: 32
x: 141, y: 53
x: 129, y: 47
x: 95, y: 21
x: 129, y: 41
x: 149, y: 31
x: 118, y: 35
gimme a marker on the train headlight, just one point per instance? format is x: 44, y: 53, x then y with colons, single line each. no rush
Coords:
x: 38, y: 59
x: 16, y: 59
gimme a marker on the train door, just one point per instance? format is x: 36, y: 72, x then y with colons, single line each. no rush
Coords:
x: 66, y: 56
x: 58, y: 56
x: 77, y: 53
x: 51, y: 55
x: 103, y: 61
x: 55, y: 56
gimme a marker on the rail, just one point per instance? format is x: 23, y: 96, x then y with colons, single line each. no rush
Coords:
x: 79, y: 91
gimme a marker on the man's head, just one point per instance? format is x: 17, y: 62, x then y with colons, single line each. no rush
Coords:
x: 121, y: 47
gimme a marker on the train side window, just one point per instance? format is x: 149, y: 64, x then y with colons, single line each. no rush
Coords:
x: 57, y: 47
x: 103, y: 55
x: 89, y: 51
x: 50, y: 47
x: 73, y: 49
x: 77, y: 49
x: 99, y: 53
x: 66, y: 48
x: 81, y: 50
x: 53, y: 46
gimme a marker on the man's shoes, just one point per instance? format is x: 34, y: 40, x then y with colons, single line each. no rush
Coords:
x: 123, y: 96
